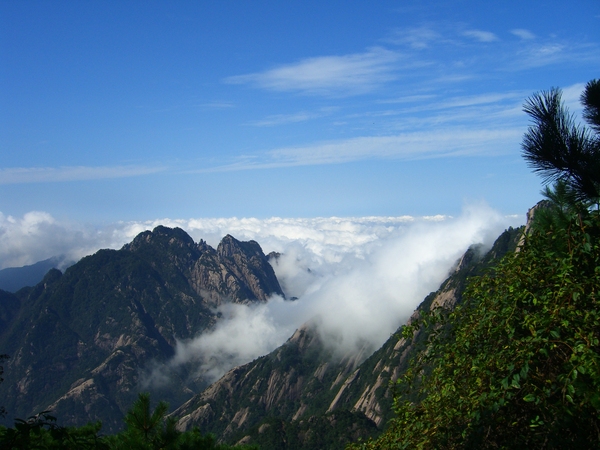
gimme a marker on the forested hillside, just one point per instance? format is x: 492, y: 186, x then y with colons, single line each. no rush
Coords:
x: 517, y: 364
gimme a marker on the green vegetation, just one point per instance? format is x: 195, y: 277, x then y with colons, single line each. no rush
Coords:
x: 145, y: 430
x: 517, y: 363
x: 325, y: 431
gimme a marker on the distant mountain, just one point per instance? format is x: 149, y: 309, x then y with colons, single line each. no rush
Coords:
x: 79, y: 341
x: 302, y: 382
x: 14, y: 278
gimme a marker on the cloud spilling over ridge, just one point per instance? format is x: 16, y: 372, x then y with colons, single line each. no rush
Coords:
x: 359, y: 278
x: 357, y: 294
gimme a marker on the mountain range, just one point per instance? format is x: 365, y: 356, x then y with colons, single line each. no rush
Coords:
x: 14, y: 278
x: 82, y: 343
x: 79, y: 340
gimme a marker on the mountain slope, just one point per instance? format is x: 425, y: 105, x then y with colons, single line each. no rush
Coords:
x: 303, y: 380
x: 14, y: 278
x: 80, y: 341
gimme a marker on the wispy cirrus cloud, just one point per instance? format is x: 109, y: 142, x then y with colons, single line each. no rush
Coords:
x: 450, y: 142
x: 541, y: 55
x: 418, y: 38
x: 332, y: 75
x: 571, y: 96
x: 302, y: 116
x: 422, y: 126
x: 408, y: 99
x: 416, y: 145
x: 430, y: 35
x: 18, y: 175
x: 480, y: 35
x: 522, y: 33
x: 218, y: 105
x: 482, y: 99
x: 553, y: 52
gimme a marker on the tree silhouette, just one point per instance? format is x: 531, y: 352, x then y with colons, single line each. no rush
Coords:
x: 591, y: 104
x: 149, y: 429
x: 559, y: 149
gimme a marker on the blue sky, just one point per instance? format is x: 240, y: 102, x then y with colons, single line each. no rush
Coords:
x: 132, y: 111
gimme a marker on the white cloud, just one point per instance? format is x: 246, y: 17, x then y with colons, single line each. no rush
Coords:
x: 409, y: 99
x: 358, y: 287
x: 415, y: 145
x: 482, y: 99
x: 76, y: 173
x: 418, y: 38
x: 541, y: 55
x: 243, y: 334
x: 38, y: 236
x: 359, y: 277
x: 526, y: 35
x: 218, y: 105
x: 481, y: 36
x: 283, y: 119
x: 571, y: 97
x: 423, y: 126
x: 338, y: 75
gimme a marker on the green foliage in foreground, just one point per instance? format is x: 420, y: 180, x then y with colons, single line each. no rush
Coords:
x: 145, y: 430
x: 329, y: 431
x: 517, y: 364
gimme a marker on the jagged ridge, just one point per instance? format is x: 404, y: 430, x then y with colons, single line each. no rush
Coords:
x: 79, y: 341
x: 302, y: 380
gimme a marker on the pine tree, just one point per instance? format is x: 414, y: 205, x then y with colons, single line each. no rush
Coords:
x: 559, y: 149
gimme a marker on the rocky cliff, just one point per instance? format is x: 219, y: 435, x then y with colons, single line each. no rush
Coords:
x: 81, y: 342
x: 302, y: 381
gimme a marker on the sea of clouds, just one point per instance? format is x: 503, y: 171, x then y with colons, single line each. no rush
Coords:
x: 359, y: 278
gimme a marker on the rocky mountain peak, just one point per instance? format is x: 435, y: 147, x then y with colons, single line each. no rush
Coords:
x: 161, y: 236
x: 304, y: 380
x: 230, y: 247
x: 246, y: 261
x: 115, y: 314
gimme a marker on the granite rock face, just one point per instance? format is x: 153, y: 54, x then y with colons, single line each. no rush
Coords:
x: 304, y: 381
x: 236, y: 271
x: 85, y: 342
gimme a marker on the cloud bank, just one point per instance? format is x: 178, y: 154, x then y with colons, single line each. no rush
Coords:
x: 358, y: 278
x: 37, y: 235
